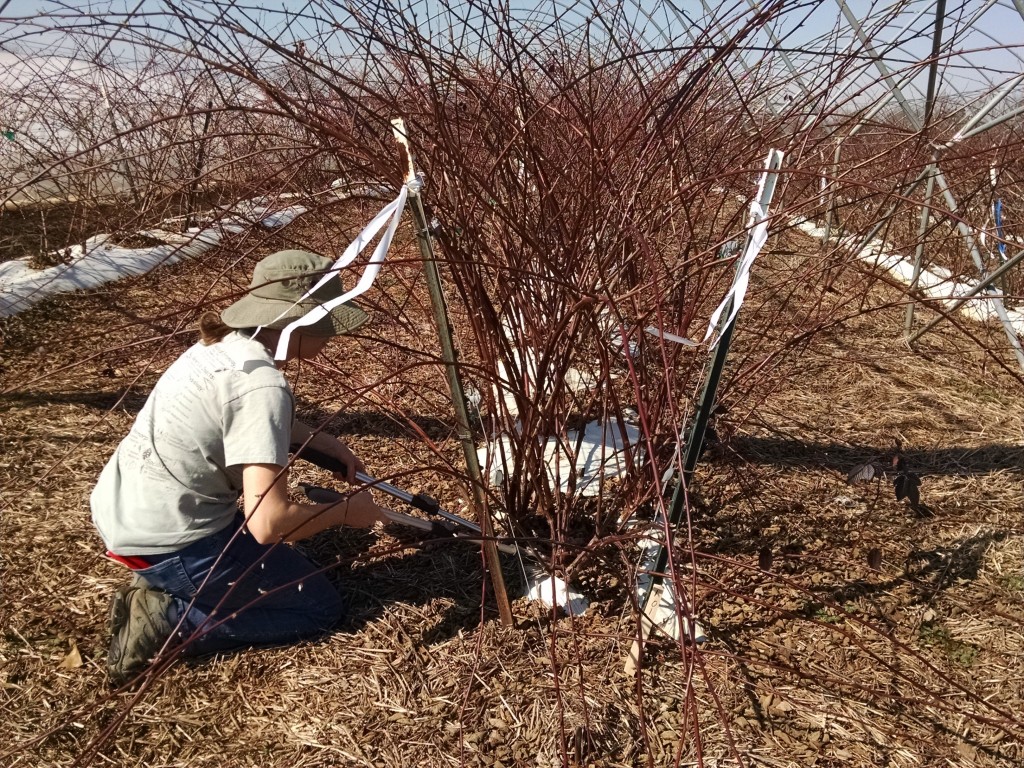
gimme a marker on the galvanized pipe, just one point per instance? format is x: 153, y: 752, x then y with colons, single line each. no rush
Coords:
x: 922, y: 230
x: 996, y: 274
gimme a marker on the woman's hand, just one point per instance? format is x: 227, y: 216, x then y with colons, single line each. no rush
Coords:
x: 332, y: 446
x: 362, y: 511
x: 352, y: 463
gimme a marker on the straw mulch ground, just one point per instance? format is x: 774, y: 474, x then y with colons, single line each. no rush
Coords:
x: 815, y: 657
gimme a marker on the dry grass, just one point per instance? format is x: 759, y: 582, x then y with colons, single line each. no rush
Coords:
x: 818, y: 661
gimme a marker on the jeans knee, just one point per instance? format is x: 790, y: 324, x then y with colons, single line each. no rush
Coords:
x: 333, y: 609
x: 324, y: 605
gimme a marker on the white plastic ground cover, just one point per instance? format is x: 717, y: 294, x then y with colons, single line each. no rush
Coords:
x: 600, y: 451
x: 935, y: 283
x: 100, y: 262
x: 96, y: 264
x: 553, y: 591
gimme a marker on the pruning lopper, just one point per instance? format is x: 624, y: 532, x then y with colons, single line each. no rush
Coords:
x: 419, y: 501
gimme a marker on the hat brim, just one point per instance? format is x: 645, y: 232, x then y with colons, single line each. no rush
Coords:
x: 251, y: 311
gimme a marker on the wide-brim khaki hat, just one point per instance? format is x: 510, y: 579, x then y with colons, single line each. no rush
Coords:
x: 275, y: 296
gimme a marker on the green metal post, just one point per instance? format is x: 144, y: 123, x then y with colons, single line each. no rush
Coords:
x: 705, y: 408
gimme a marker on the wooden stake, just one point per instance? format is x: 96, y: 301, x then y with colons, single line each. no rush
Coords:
x: 444, y: 333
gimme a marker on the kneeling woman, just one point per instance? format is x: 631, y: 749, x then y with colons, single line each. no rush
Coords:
x: 216, y: 428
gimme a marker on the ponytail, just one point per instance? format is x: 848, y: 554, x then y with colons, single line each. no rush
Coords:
x: 212, y: 329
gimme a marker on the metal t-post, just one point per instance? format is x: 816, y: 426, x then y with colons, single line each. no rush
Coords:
x: 448, y: 354
x: 705, y: 407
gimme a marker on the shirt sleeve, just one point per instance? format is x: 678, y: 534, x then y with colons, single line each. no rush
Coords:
x: 258, y: 426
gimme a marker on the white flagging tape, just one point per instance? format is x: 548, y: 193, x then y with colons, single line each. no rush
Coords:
x: 738, y: 290
x: 758, y: 225
x: 390, y: 214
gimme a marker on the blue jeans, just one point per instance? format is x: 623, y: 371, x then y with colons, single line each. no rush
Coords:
x: 265, y: 595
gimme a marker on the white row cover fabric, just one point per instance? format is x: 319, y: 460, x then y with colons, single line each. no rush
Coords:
x: 99, y: 262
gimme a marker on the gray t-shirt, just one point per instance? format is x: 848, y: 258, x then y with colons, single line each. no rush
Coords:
x: 177, y: 476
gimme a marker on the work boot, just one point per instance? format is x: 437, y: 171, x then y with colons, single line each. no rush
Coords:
x: 139, y: 581
x: 139, y: 627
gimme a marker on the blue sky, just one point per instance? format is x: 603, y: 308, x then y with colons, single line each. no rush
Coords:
x: 804, y: 25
